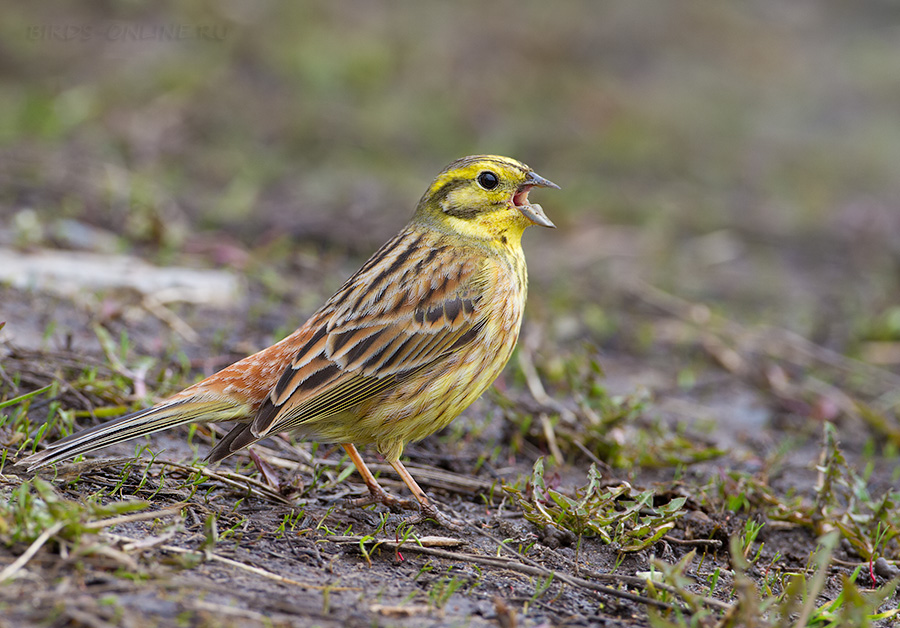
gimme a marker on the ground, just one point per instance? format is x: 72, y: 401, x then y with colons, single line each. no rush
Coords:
x: 698, y: 427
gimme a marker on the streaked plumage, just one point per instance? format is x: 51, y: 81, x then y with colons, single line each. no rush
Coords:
x: 404, y: 346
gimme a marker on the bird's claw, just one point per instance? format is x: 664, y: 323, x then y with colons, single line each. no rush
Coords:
x: 395, y: 504
x: 428, y: 511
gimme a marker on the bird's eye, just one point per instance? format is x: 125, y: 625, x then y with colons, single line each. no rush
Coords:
x: 488, y: 180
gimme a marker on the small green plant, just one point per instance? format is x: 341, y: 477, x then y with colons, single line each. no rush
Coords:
x: 795, y: 604
x: 36, y: 515
x: 233, y: 531
x: 870, y: 524
x: 210, y: 533
x: 542, y: 586
x: 289, y: 522
x: 34, y: 506
x: 617, y: 515
x: 675, y: 576
x: 364, y: 550
x: 441, y: 592
x: 751, y: 531
x: 712, y: 580
x: 428, y: 566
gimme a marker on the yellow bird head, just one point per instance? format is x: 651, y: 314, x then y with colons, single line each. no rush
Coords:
x: 484, y: 197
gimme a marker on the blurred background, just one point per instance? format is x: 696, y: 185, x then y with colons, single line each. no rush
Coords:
x: 745, y: 155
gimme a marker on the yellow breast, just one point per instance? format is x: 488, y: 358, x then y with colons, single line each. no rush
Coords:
x: 429, y: 402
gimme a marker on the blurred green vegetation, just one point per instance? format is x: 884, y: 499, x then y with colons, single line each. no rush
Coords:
x: 771, y: 124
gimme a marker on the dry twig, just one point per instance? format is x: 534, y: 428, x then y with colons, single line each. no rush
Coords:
x: 533, y: 570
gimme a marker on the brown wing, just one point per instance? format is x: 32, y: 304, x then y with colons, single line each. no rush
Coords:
x: 389, y: 321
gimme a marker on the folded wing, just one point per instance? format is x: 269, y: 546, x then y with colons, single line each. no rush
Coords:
x: 386, y: 324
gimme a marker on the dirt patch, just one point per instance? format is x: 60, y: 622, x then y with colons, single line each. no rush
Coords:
x: 231, y: 549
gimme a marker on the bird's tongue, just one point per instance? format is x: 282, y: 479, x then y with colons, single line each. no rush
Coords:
x: 532, y: 211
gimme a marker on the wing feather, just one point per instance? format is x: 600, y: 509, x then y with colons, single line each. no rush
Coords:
x: 383, y: 326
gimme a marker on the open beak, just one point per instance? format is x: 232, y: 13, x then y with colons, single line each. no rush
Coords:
x: 533, y: 211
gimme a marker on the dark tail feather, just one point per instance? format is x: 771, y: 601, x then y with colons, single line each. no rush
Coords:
x: 137, y: 424
x: 239, y: 437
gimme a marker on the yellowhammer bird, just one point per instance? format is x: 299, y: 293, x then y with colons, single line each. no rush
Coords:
x: 404, y: 346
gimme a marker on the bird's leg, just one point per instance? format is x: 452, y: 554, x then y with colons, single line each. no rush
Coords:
x: 377, y: 495
x: 265, y: 470
x: 427, y: 510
